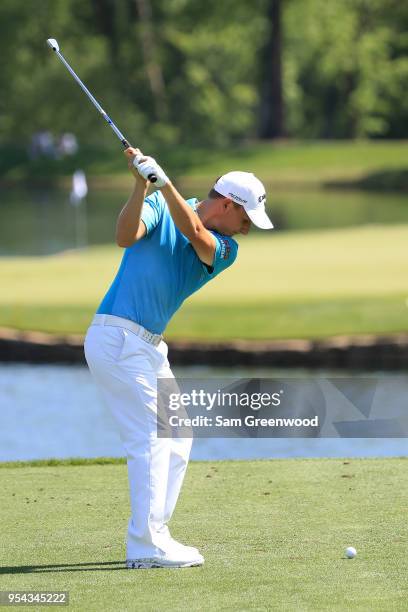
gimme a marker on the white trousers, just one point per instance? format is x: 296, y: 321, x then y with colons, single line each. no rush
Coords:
x: 125, y: 368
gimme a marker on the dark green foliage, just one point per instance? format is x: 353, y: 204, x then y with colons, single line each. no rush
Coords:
x: 198, y: 79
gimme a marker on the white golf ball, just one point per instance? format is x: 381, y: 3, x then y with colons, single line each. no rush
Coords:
x: 351, y: 552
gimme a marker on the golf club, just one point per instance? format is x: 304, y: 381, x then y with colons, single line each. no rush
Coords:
x: 55, y: 47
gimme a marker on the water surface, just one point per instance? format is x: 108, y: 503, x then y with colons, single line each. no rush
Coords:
x: 42, y: 221
x: 53, y: 411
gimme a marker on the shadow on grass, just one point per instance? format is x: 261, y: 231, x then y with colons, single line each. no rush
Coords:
x: 101, y: 566
x: 383, y: 180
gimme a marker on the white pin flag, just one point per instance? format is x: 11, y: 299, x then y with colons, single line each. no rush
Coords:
x: 79, y: 187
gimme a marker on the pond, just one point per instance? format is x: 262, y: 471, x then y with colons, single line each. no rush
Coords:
x: 52, y: 411
x: 42, y: 221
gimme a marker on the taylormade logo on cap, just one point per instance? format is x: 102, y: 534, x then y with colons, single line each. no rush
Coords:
x: 237, y: 199
x: 245, y: 189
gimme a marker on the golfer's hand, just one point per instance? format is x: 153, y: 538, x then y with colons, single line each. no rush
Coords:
x: 146, y: 166
x: 131, y: 154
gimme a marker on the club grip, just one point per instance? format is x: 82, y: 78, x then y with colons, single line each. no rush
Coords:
x: 152, y: 177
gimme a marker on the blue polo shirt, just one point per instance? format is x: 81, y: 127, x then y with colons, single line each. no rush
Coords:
x: 161, y: 270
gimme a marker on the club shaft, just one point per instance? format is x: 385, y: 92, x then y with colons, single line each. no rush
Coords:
x: 93, y: 100
x: 54, y: 45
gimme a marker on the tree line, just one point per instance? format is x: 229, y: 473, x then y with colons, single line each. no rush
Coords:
x: 208, y: 73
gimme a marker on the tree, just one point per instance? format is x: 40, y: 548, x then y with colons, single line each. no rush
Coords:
x: 271, y: 107
x: 152, y: 66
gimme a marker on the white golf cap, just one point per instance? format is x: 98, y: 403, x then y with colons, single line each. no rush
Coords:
x: 245, y: 189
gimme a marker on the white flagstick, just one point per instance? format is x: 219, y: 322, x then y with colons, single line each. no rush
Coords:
x: 78, y: 199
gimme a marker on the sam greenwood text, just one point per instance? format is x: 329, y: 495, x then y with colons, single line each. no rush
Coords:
x: 248, y: 421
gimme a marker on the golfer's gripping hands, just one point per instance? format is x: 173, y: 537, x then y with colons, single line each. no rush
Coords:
x: 146, y: 166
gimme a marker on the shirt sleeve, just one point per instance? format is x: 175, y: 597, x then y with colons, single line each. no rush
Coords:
x: 152, y: 211
x: 226, y: 250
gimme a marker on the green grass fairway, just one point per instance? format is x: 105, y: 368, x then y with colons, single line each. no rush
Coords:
x: 283, y: 285
x: 273, y: 534
x: 292, y: 162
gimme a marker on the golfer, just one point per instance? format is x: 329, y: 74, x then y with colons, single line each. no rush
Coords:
x: 172, y: 248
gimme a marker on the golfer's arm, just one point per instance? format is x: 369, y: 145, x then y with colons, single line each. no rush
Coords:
x: 189, y: 224
x: 129, y: 228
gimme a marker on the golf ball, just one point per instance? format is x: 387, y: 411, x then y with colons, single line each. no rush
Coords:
x: 351, y: 552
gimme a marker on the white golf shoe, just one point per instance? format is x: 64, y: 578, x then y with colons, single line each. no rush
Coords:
x: 187, y: 549
x: 178, y: 555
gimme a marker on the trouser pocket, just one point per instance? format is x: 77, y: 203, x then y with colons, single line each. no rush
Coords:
x: 104, y: 343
